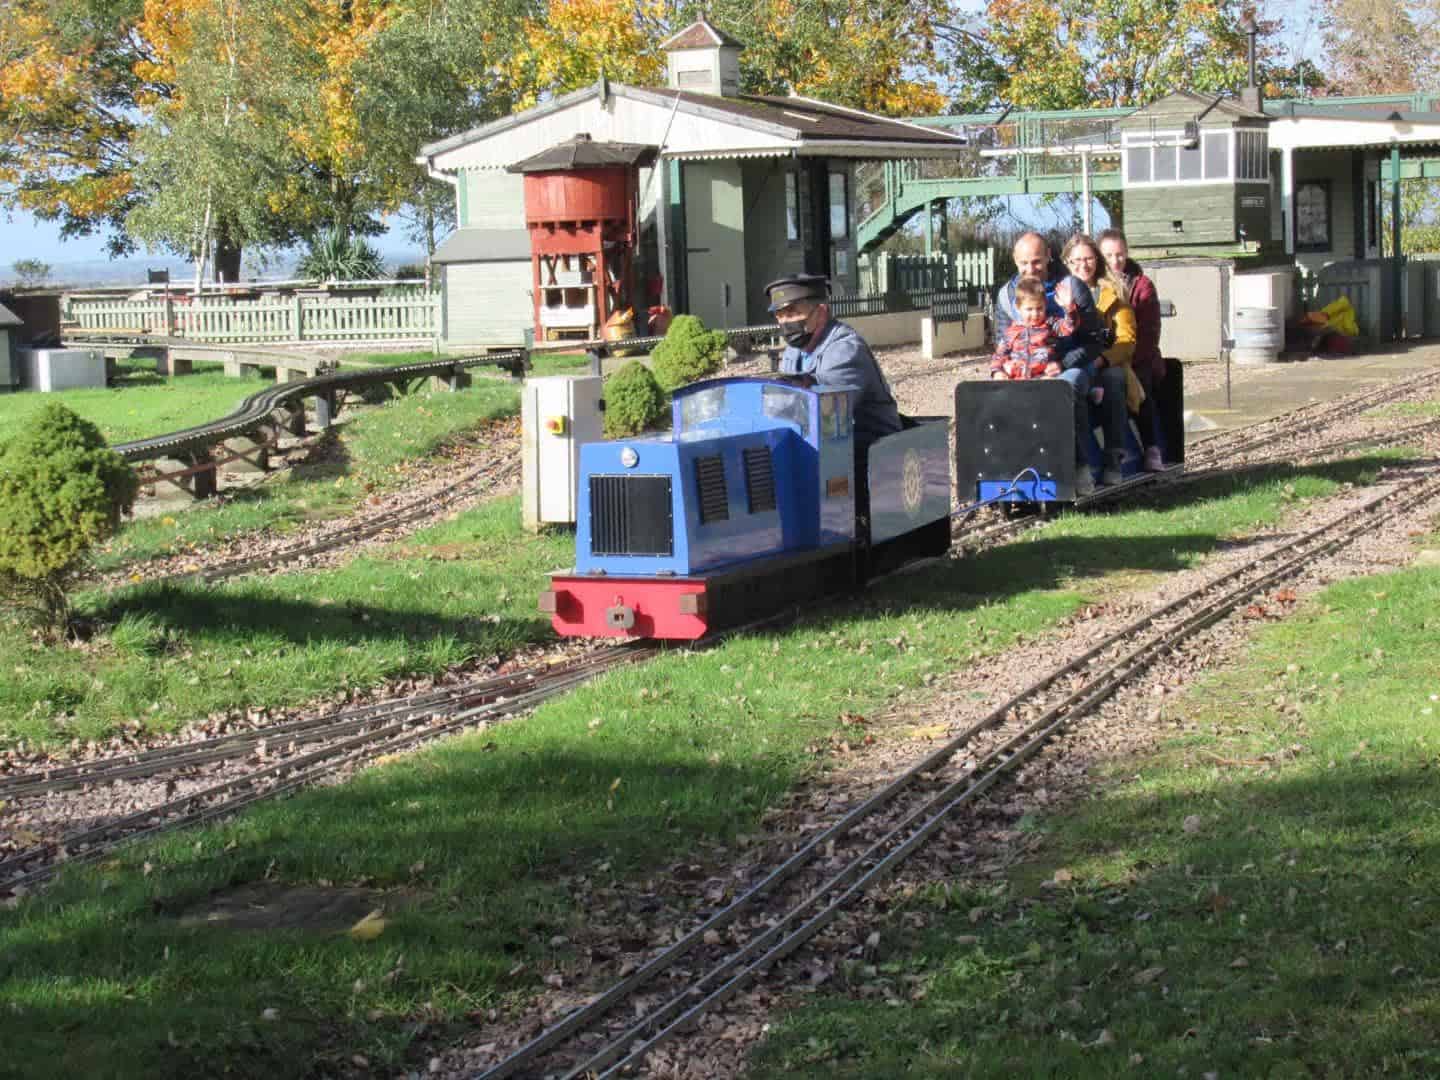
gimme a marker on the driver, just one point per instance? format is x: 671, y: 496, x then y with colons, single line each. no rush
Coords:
x: 829, y: 352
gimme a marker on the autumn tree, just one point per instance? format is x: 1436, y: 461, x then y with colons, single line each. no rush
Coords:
x: 212, y: 162
x: 884, y: 56
x: 1379, y: 46
x: 70, y: 105
x: 432, y: 72
x: 1101, y: 52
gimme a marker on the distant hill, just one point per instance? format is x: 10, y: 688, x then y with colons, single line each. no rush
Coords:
x: 80, y: 273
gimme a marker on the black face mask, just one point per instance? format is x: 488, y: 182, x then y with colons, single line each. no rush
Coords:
x: 795, y: 334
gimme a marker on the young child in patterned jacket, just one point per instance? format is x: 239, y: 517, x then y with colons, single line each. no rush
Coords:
x: 1028, y: 348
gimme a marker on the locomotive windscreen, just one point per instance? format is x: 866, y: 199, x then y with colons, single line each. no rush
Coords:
x: 630, y: 515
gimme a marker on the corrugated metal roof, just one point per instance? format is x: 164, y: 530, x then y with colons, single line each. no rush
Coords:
x: 809, y: 119
x: 797, y: 120
x: 484, y: 245
x: 582, y: 152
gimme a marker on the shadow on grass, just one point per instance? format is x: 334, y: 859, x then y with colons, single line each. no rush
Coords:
x: 244, y: 616
x: 478, y: 819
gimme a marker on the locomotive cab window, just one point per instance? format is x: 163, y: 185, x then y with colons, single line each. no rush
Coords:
x: 835, y: 416
x: 787, y: 403
x: 701, y: 407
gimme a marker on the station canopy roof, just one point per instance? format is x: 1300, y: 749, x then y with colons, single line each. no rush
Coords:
x: 689, y: 125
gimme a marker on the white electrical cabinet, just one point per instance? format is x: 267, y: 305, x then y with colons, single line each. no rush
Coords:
x: 558, y: 414
x: 61, y: 369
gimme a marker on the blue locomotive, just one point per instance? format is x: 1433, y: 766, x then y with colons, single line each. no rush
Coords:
x: 747, y: 506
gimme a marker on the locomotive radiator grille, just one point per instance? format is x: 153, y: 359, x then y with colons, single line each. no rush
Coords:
x: 630, y: 515
x: 759, y: 479
x: 710, y: 482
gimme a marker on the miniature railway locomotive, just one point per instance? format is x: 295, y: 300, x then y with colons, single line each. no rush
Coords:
x: 747, y: 506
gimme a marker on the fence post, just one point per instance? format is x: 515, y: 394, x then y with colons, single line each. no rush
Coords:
x: 169, y: 316
x: 297, y: 317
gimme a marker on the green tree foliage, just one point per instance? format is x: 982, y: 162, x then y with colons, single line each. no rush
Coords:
x: 30, y: 273
x: 689, y: 352
x: 336, y: 255
x: 1037, y: 54
x: 70, y: 97
x: 633, y: 401
x: 62, y: 490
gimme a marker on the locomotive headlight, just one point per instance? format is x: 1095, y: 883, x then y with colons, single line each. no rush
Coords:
x: 629, y: 458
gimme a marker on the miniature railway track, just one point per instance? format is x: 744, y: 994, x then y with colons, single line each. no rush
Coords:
x: 289, y: 756
x: 797, y: 899
x: 1306, y: 417
x: 416, y: 510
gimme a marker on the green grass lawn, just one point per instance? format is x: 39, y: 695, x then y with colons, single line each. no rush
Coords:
x: 370, y: 451
x: 141, y: 403
x: 1257, y: 899
x: 174, y: 653
x: 469, y: 840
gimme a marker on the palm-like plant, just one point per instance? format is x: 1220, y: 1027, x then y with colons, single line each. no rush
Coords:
x: 337, y: 255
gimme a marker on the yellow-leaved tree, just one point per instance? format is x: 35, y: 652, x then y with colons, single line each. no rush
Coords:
x: 573, y: 42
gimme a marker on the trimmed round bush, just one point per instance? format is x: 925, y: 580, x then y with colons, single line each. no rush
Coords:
x: 62, y: 490
x: 689, y: 352
x: 633, y: 401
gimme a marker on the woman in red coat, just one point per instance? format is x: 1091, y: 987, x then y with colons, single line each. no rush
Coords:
x: 1138, y: 290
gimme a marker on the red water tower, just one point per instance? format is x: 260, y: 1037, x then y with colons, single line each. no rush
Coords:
x: 581, y: 202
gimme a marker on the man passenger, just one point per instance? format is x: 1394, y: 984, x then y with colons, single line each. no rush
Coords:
x: 1076, y: 356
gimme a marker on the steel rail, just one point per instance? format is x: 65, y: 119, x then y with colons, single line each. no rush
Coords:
x: 255, y: 409
x: 792, y: 866
x: 393, y: 736
x: 415, y: 510
x: 1290, y: 422
x: 1001, y: 760
x: 148, y: 763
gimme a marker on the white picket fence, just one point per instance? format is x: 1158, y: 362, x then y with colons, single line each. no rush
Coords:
x: 414, y: 316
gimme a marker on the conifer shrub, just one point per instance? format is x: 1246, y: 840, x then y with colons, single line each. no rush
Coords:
x: 62, y: 490
x: 689, y: 352
x: 633, y: 401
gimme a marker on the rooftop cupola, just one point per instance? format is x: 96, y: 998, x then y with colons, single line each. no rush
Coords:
x: 703, y: 59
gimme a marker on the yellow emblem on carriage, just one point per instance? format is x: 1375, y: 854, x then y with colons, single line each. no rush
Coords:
x: 913, y: 486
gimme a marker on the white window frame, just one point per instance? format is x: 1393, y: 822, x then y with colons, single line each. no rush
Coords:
x: 1136, y: 140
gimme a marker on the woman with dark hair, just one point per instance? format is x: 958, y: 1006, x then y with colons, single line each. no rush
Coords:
x: 1136, y: 289
x: 1125, y: 392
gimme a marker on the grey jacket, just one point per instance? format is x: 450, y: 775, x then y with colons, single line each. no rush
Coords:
x: 843, y: 359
